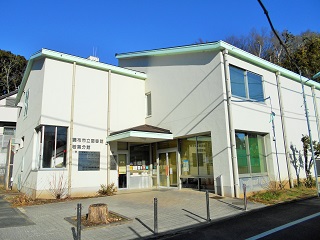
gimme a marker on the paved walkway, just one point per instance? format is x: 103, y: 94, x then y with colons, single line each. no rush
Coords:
x: 177, y: 209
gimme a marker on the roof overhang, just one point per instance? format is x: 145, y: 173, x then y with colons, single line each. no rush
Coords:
x: 139, y: 137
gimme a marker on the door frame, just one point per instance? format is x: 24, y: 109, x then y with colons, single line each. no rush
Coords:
x: 168, y: 150
x: 126, y: 152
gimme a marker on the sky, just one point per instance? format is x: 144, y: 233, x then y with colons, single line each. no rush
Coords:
x: 105, y: 27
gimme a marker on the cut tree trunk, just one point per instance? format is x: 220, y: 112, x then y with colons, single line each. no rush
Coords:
x: 98, y: 213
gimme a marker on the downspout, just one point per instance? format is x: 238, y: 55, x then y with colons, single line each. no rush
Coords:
x: 71, y: 128
x: 231, y: 128
x: 284, y: 130
x: 108, y: 127
x: 316, y: 110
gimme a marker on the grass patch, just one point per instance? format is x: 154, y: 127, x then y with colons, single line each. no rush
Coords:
x: 271, y: 197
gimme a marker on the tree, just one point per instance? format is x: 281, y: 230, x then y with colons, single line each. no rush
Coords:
x: 308, y: 162
x: 303, y: 49
x: 306, y: 54
x: 11, y: 71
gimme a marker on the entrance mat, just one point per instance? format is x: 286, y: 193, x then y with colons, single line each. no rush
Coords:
x: 113, y: 218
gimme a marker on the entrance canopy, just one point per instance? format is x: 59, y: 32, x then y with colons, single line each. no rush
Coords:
x: 141, y: 134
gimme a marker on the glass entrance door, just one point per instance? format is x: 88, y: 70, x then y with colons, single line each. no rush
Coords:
x: 168, y: 169
x: 122, y: 170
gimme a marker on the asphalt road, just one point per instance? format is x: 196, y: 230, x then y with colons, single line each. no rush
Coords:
x: 296, y: 220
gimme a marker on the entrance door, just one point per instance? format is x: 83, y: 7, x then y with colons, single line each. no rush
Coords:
x: 122, y: 170
x: 168, y: 176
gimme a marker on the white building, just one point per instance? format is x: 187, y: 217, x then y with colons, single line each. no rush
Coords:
x: 192, y: 116
x: 8, y: 119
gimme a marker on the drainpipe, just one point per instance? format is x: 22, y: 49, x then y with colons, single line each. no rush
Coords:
x: 231, y: 128
x: 284, y: 131
x: 316, y: 110
x: 71, y: 128
x: 108, y: 127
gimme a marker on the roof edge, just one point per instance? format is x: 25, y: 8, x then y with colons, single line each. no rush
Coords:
x: 233, y: 51
x: 46, y: 53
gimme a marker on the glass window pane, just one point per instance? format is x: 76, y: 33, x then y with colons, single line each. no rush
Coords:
x: 237, y: 82
x: 48, y: 146
x: 167, y: 144
x: 255, y: 86
x: 243, y: 167
x: 139, y: 159
x: 205, y: 156
x: 122, y: 145
x: 254, y: 153
x: 60, y: 160
x: 262, y: 154
x: 148, y: 104
x: 189, y: 157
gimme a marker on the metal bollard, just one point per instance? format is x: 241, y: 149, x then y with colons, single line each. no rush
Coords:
x: 245, y: 196
x: 208, y: 207
x: 155, y: 201
x: 79, y: 221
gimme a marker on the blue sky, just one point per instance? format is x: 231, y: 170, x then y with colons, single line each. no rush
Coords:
x: 77, y: 27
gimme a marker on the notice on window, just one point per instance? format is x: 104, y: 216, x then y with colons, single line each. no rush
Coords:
x: 185, y: 165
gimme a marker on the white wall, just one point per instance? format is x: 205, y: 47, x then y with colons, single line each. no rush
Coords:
x: 23, y: 160
x: 127, y: 102
x: 187, y: 94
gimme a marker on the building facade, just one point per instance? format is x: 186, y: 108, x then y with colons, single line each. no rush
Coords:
x: 8, y: 119
x: 205, y: 116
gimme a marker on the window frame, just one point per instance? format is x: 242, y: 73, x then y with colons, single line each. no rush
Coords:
x: 26, y: 103
x: 246, y: 84
x: 148, y: 102
x: 248, y: 155
x: 41, y: 132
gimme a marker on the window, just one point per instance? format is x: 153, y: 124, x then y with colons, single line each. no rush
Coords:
x: 196, y: 157
x: 54, y: 146
x: 148, y: 104
x: 246, y: 84
x: 139, y: 159
x: 9, y: 131
x: 26, y: 103
x: 251, y: 153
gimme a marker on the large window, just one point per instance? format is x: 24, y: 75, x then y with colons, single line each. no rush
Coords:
x: 53, y: 142
x: 251, y: 153
x: 196, y: 157
x: 139, y: 159
x: 246, y: 84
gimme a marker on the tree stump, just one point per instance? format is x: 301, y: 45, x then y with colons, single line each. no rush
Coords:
x: 98, y: 213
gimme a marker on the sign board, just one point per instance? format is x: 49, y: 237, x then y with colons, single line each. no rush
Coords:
x: 88, y: 161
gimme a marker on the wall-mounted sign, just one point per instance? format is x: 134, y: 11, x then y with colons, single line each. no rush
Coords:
x: 88, y: 161
x: 85, y: 143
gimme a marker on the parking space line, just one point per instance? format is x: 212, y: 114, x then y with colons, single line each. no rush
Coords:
x: 277, y: 229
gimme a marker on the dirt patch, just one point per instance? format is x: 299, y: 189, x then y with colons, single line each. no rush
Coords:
x: 113, y: 219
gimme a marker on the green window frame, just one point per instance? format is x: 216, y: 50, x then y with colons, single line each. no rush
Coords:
x: 246, y: 84
x: 251, y: 153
